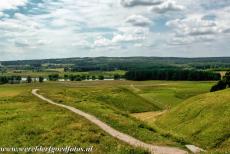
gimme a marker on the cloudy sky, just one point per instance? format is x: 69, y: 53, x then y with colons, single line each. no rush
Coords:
x: 33, y: 29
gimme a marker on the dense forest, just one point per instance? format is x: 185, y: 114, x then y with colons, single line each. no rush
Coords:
x: 171, y: 74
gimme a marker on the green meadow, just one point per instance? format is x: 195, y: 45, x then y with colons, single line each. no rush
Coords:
x: 173, y: 113
x: 26, y: 122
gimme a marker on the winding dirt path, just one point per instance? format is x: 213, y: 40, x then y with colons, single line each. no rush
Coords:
x: 115, y: 133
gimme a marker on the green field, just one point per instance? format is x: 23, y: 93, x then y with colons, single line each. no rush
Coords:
x: 114, y: 101
x: 98, y: 100
x: 26, y: 122
x: 146, y: 110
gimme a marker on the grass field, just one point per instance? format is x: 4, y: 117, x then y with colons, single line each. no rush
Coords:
x: 134, y: 108
x: 204, y: 120
x: 114, y: 101
x: 116, y: 115
x: 26, y: 121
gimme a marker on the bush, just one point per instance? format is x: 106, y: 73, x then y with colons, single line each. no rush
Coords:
x: 222, y: 84
x: 83, y: 77
x: 66, y: 77
x: 75, y: 77
x: 101, y: 77
x: 116, y: 77
x: 40, y: 79
x: 227, y: 78
x: 53, y: 77
x: 29, y: 79
x: 219, y: 86
x: 93, y: 77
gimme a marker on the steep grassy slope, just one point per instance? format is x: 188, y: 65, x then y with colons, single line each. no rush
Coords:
x: 168, y: 94
x: 204, y: 119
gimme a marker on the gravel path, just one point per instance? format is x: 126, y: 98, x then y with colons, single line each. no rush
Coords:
x: 115, y: 133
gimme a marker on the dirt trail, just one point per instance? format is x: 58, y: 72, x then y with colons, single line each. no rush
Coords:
x: 115, y: 133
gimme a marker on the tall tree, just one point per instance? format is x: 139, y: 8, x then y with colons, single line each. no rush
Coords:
x: 29, y: 79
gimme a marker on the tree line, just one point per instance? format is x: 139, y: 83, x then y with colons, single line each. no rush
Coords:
x: 17, y: 79
x: 53, y: 77
x: 73, y: 77
x: 171, y: 74
x: 222, y: 84
x: 10, y: 79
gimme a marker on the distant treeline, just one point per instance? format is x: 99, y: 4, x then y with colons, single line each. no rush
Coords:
x: 54, y: 77
x: 119, y: 63
x: 10, y: 79
x: 115, y: 66
x: 17, y: 79
x: 72, y: 77
x: 169, y: 74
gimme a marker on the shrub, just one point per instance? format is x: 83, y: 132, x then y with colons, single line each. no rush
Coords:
x: 40, y: 79
x: 93, y: 77
x: 29, y: 79
x: 219, y: 86
x: 53, y: 77
x: 101, y: 77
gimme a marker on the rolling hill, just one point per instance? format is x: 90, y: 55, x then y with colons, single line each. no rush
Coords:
x: 203, y: 119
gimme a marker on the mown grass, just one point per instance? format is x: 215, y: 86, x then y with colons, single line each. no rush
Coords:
x: 26, y: 121
x: 204, y: 120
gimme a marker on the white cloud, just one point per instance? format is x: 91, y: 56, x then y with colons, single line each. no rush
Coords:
x: 138, y: 20
x: 102, y: 42
x: 92, y: 27
x: 191, y: 39
x: 169, y: 5
x: 11, y: 4
x: 194, y: 25
x: 129, y: 34
x: 125, y: 35
x: 131, y: 3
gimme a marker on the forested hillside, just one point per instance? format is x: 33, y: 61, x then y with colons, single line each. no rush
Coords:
x: 121, y: 63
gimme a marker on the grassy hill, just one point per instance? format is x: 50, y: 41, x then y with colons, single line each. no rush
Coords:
x: 203, y: 119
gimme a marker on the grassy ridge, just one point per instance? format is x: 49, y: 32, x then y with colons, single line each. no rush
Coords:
x: 204, y: 119
x: 26, y: 121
